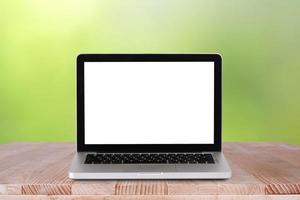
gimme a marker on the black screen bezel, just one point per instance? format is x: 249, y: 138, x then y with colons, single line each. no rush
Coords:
x: 216, y: 146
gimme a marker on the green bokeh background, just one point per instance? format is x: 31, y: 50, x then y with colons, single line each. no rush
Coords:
x: 259, y: 41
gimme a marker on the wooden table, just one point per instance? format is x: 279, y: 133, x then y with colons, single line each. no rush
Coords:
x: 40, y: 171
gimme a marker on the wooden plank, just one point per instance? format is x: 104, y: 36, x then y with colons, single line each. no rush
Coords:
x: 242, y: 182
x: 46, y: 173
x: 279, y: 177
x: 150, y: 197
x: 124, y: 187
x: 42, y: 169
x: 105, y: 187
x: 141, y: 188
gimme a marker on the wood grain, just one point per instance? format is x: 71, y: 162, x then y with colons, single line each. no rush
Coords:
x: 150, y: 197
x: 262, y: 170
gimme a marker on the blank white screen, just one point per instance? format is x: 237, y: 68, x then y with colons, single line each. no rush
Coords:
x: 149, y: 102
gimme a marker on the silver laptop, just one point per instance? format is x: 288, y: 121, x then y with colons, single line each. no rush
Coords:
x: 149, y: 116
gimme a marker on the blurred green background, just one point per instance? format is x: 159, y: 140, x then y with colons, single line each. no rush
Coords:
x: 259, y: 41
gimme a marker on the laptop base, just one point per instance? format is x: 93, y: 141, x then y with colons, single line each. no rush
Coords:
x: 218, y: 170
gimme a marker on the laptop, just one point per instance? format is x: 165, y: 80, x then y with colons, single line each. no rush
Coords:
x: 149, y: 116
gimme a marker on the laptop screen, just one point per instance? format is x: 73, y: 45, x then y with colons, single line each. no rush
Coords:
x: 149, y: 102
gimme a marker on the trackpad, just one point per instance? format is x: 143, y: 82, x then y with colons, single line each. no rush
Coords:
x: 157, y: 168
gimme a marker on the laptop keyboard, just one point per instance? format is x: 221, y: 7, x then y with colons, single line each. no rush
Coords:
x: 145, y: 158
